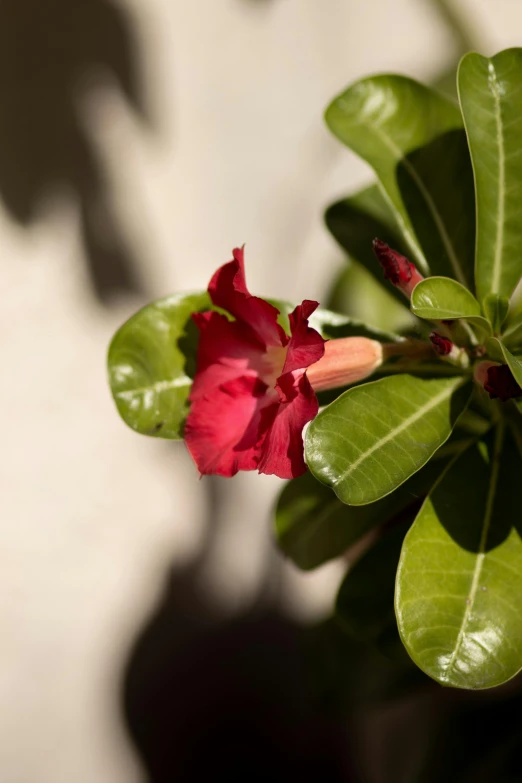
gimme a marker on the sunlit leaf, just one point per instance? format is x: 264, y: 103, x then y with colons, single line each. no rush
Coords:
x: 440, y: 299
x: 460, y: 574
x: 491, y: 100
x: 151, y: 364
x: 374, y: 436
x: 414, y: 140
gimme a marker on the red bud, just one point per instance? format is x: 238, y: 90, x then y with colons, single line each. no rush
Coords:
x: 441, y: 344
x: 397, y: 269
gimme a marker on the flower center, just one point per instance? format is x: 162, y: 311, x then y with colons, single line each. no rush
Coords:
x: 272, y: 363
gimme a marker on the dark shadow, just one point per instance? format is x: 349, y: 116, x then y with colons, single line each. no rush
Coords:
x: 255, y: 698
x: 355, y: 222
x: 49, y: 51
x: 462, y: 496
x: 228, y: 701
x: 443, y: 170
x: 479, y: 739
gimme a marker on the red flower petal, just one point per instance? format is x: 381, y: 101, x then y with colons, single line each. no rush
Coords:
x: 226, y: 350
x: 282, y: 449
x: 228, y: 290
x: 223, y: 431
x: 240, y: 418
x: 306, y: 346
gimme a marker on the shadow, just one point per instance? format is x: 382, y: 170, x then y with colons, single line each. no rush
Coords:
x: 49, y: 52
x: 228, y: 701
x: 479, y: 739
x: 355, y: 222
x: 462, y: 495
x: 443, y: 170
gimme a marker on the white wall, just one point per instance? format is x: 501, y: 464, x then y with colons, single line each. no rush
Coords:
x: 91, y: 514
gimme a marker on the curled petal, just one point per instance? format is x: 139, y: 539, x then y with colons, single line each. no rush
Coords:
x: 223, y: 431
x: 306, y: 345
x: 228, y: 290
x: 282, y: 450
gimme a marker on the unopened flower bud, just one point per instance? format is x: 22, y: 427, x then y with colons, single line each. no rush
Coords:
x: 397, y: 269
x: 441, y: 344
x: 497, y: 379
x: 346, y: 360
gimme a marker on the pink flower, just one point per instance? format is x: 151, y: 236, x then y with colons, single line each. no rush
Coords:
x: 251, y: 397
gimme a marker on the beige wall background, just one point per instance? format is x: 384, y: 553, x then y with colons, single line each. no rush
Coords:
x: 93, y: 516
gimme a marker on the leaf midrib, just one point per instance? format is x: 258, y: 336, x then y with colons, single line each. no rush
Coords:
x: 495, y: 469
x: 446, y: 241
x: 499, y: 240
x: 392, y: 434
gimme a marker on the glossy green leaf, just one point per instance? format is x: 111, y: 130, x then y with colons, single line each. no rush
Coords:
x: 414, y: 140
x: 512, y: 329
x: 495, y: 309
x: 440, y: 299
x: 489, y: 91
x: 313, y: 526
x: 356, y: 221
x: 512, y: 337
x: 333, y: 325
x: 375, y: 436
x: 364, y: 603
x: 151, y: 364
x: 460, y: 574
x: 499, y: 350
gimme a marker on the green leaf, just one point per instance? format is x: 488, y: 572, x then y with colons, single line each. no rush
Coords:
x: 333, y: 325
x: 513, y: 337
x: 355, y: 293
x: 440, y: 299
x: 356, y: 221
x: 313, y: 526
x: 414, y: 140
x: 498, y: 349
x: 489, y: 91
x: 375, y: 436
x: 495, y: 309
x: 460, y: 574
x: 364, y: 603
x: 151, y: 364
x: 512, y: 334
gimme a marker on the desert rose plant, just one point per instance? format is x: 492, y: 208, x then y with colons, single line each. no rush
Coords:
x: 412, y: 440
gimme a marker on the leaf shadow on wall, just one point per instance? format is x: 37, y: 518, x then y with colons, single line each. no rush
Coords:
x: 213, y: 697
x: 49, y: 50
